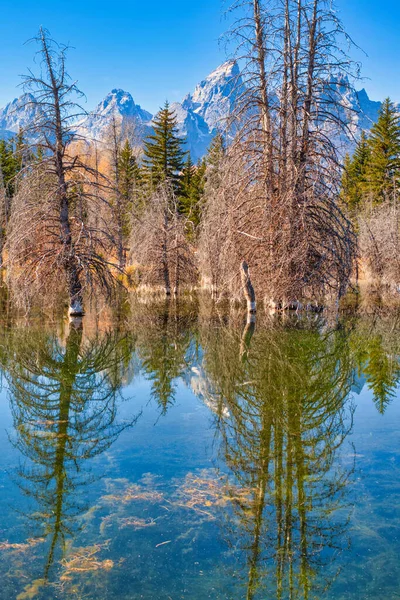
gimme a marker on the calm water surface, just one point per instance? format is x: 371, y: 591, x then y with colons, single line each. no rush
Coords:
x: 177, y: 454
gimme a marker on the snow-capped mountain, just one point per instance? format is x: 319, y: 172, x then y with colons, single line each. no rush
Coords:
x: 368, y: 110
x: 353, y: 108
x: 214, y: 98
x: 120, y: 105
x: 193, y: 129
x: 200, y: 114
x: 206, y: 111
x: 18, y: 114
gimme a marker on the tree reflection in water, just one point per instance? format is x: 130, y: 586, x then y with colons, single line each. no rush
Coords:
x: 165, y: 346
x: 283, y: 416
x: 281, y: 395
x: 375, y: 346
x: 64, y: 400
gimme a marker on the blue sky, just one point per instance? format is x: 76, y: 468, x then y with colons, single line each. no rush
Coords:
x: 158, y: 50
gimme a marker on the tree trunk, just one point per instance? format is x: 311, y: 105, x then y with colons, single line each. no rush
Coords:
x: 2, y: 236
x: 75, y: 292
x: 248, y: 288
x: 247, y: 334
x: 121, y: 249
x: 71, y: 266
x: 165, y: 256
x: 264, y: 99
x: 69, y: 372
x: 177, y: 265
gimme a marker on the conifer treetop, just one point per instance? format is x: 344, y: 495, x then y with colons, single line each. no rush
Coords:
x: 163, y: 153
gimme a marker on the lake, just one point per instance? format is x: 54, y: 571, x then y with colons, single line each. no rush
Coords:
x: 174, y: 452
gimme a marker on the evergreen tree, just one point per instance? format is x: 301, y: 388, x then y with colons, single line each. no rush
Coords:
x: 187, y: 177
x: 193, y: 181
x: 129, y: 178
x: 9, y: 165
x: 215, y: 155
x: 13, y: 158
x: 163, y: 153
x: 354, y: 176
x: 382, y: 372
x: 39, y: 156
x: 23, y: 155
x: 129, y: 169
x: 383, y: 169
x: 124, y: 177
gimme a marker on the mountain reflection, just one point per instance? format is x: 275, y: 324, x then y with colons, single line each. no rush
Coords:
x: 64, y: 399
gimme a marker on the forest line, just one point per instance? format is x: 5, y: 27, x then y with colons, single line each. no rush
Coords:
x: 80, y: 217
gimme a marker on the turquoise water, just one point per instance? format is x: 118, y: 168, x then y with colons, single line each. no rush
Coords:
x: 178, y: 453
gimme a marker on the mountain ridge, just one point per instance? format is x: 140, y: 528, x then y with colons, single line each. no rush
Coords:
x: 199, y: 116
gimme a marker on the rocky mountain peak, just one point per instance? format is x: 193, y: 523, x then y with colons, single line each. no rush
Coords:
x: 214, y: 97
x: 199, y: 115
x: 18, y: 114
x: 120, y: 102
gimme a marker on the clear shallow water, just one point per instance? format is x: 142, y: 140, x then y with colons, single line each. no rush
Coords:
x: 177, y: 455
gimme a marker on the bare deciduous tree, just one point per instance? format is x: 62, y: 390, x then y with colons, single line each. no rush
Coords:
x: 3, y: 215
x: 282, y: 179
x: 160, y: 244
x: 58, y: 239
x: 379, y: 243
x: 216, y: 249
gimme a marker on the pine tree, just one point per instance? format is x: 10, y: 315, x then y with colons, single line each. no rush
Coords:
x: 163, y: 344
x: 383, y: 169
x: 126, y: 201
x: 163, y: 153
x: 12, y: 160
x: 193, y: 181
x: 187, y: 178
x: 354, y: 176
x: 129, y: 178
x: 129, y: 169
x: 9, y: 165
x: 382, y: 373
x: 215, y: 155
x: 23, y: 155
x: 124, y: 178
